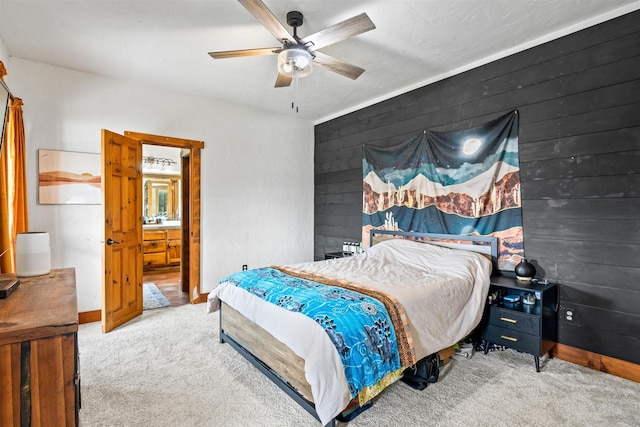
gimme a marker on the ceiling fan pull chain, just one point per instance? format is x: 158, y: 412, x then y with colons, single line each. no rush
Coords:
x: 293, y: 95
x: 294, y: 92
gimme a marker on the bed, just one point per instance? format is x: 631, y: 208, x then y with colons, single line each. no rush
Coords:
x: 425, y: 292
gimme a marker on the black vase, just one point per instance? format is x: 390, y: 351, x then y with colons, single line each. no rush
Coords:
x: 525, y: 271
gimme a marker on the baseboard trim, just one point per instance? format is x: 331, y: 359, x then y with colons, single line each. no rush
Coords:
x: 201, y: 298
x: 617, y: 367
x: 96, y: 315
x: 90, y: 316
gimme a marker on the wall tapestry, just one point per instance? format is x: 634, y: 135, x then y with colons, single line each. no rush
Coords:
x: 66, y: 177
x: 463, y: 182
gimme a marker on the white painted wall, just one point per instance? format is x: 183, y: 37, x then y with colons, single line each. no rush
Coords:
x: 4, y: 54
x: 257, y: 169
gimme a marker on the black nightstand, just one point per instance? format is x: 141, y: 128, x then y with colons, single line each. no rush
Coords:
x: 531, y: 328
x: 333, y: 255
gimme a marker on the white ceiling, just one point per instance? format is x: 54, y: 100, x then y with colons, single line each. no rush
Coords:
x: 166, y: 43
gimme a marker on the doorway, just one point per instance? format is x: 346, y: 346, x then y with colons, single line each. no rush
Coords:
x: 189, y: 207
x: 164, y: 206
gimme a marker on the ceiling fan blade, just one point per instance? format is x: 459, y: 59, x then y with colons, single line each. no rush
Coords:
x: 245, y: 52
x: 283, y: 81
x: 267, y: 19
x: 337, y: 66
x: 353, y: 26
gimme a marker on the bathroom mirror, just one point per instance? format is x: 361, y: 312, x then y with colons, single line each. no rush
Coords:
x: 161, y: 195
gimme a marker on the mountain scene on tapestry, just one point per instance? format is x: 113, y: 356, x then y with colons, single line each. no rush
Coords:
x: 462, y: 182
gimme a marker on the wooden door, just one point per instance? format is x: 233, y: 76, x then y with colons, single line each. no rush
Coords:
x: 122, y: 255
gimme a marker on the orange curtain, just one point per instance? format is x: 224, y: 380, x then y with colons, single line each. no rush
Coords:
x: 6, y: 262
x: 14, y: 217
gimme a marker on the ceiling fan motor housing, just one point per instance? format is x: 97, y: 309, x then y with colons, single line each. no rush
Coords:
x: 295, y: 59
x: 295, y: 19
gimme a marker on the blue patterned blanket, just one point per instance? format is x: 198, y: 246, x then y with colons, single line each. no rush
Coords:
x: 359, y: 326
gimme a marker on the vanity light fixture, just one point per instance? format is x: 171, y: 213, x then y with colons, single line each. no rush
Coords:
x: 162, y: 161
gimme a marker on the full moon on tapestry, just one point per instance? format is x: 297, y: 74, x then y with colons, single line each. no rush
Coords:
x: 462, y: 182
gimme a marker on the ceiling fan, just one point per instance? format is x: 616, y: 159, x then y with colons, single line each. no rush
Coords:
x: 296, y: 54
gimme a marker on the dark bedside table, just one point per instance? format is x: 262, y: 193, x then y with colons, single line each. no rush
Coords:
x: 333, y: 255
x: 530, y: 328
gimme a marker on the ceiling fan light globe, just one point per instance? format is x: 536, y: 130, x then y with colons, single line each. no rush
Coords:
x: 298, y: 60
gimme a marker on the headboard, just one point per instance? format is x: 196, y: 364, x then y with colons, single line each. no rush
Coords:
x: 480, y: 244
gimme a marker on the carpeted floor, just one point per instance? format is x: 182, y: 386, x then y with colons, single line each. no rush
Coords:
x: 152, y: 297
x: 167, y: 368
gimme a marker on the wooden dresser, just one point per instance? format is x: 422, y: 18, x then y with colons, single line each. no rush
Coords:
x: 39, y: 373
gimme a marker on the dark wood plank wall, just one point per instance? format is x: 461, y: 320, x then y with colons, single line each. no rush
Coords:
x: 579, y: 103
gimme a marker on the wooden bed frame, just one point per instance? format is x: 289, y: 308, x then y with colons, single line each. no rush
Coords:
x: 276, y: 360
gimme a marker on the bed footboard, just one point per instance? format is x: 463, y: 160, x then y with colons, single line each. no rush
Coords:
x: 274, y: 359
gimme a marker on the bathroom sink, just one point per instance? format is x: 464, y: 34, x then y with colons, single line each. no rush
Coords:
x: 165, y: 224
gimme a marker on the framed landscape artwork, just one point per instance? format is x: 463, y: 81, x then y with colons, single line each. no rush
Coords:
x: 69, y: 178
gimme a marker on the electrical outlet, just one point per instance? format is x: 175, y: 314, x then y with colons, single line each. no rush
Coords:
x: 244, y: 267
x: 569, y: 315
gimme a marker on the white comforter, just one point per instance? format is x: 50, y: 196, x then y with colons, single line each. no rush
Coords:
x: 442, y: 290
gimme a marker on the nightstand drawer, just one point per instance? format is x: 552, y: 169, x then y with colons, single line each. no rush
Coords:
x: 513, y: 339
x: 514, y: 320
